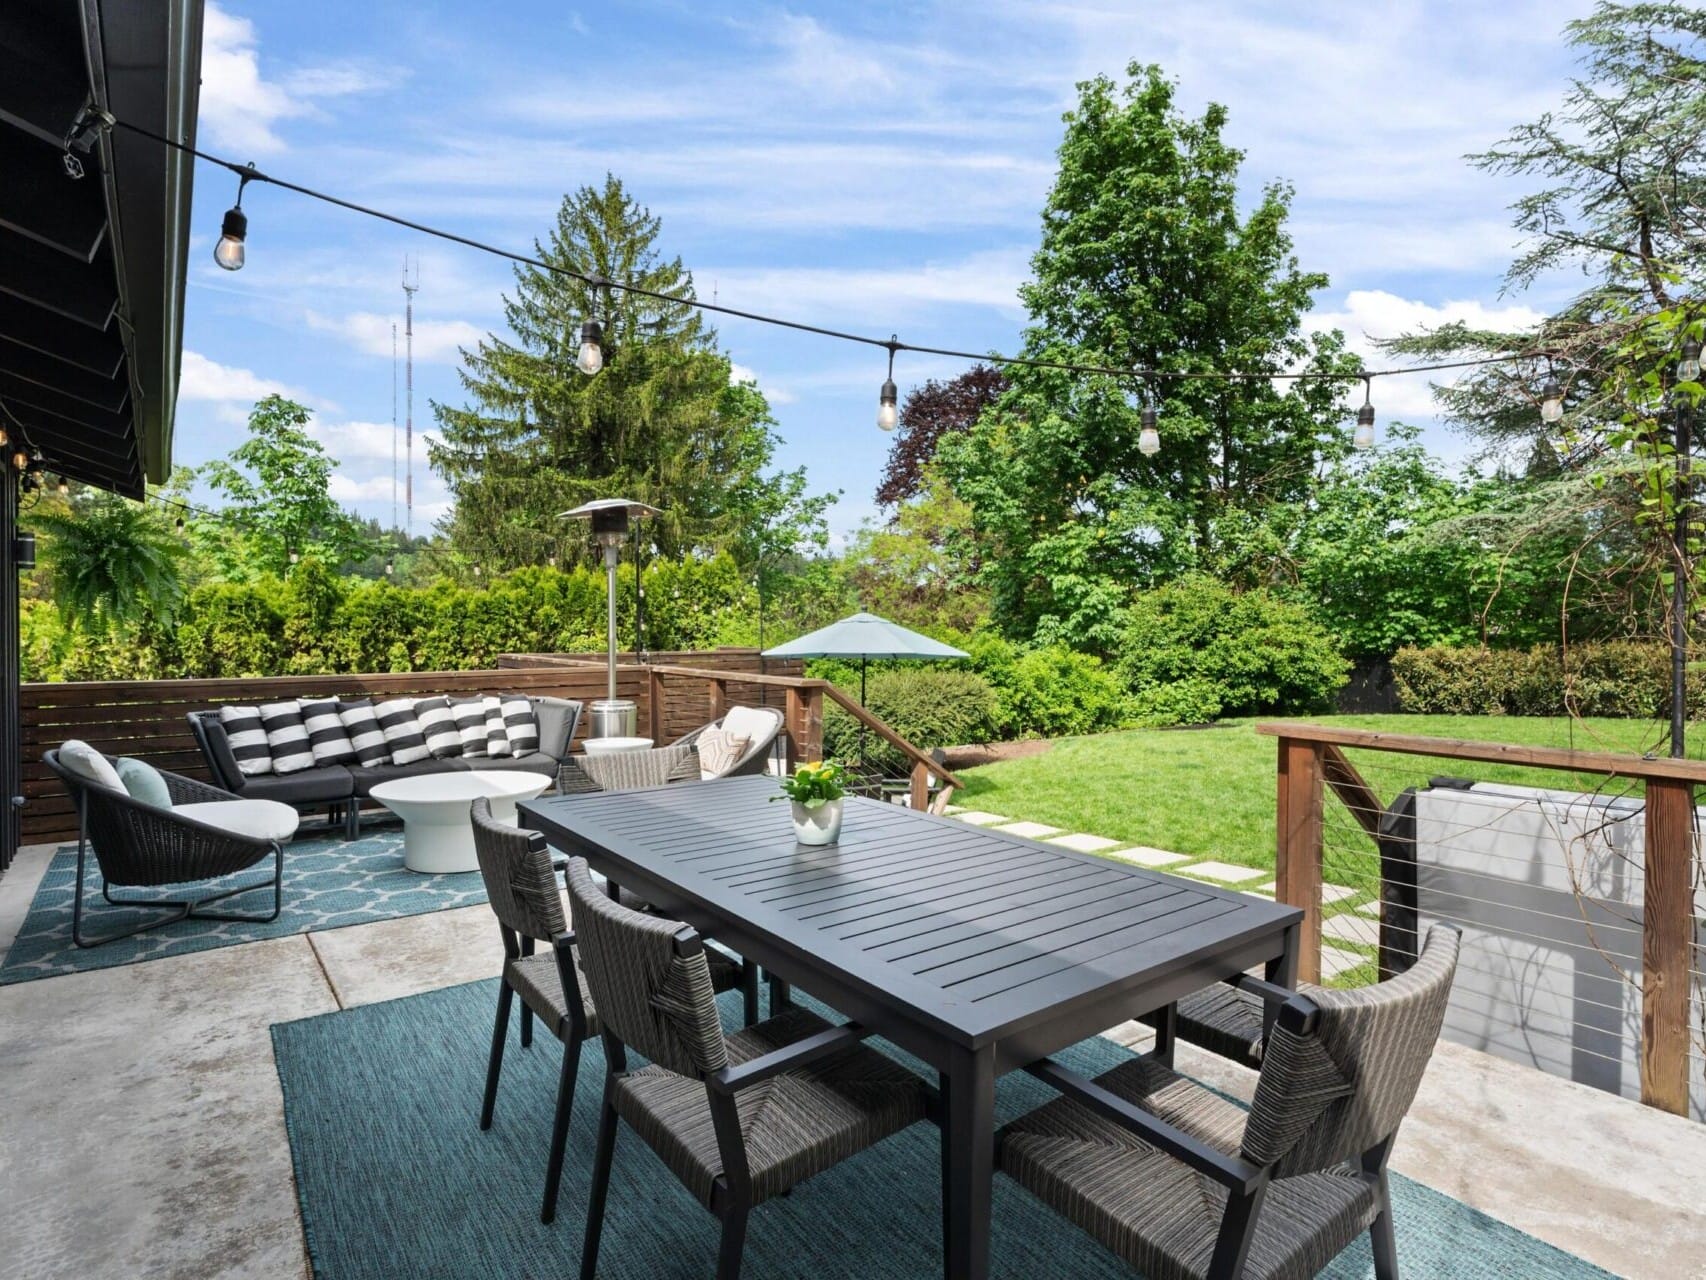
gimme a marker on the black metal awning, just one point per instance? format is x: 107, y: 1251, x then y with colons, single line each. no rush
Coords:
x: 92, y: 269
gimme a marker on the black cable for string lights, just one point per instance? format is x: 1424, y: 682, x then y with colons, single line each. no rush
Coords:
x: 247, y: 173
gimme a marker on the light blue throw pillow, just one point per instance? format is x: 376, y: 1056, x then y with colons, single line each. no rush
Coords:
x: 143, y: 782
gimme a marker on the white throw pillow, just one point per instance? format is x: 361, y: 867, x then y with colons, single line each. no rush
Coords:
x: 748, y: 722
x: 402, y: 729
x: 719, y: 751
x: 497, y: 735
x: 247, y: 739
x: 80, y: 758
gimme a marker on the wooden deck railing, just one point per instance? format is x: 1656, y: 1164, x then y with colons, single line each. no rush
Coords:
x: 803, y: 699
x: 1312, y: 761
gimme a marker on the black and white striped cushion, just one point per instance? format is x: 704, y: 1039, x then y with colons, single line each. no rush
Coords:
x: 248, y: 739
x: 365, y: 735
x: 442, y: 739
x: 497, y: 737
x: 521, y: 725
x: 327, y: 737
x: 287, y: 737
x: 402, y: 729
x: 470, y: 717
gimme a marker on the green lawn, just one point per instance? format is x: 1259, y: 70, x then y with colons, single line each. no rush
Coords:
x: 1209, y: 793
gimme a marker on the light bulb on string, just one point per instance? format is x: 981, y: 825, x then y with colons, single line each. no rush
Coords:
x: 591, y: 357
x: 1149, y: 438
x: 295, y: 558
x: 234, y: 230
x: 888, y: 399
x: 1688, y: 368
x: 64, y: 487
x: 390, y: 568
x: 1551, y: 398
x: 1364, y: 437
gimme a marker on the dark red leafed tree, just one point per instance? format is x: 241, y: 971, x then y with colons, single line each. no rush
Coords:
x: 930, y: 412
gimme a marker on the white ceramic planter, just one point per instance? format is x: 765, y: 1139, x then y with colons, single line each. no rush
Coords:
x: 818, y: 824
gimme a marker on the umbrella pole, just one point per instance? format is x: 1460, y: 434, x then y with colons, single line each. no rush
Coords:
x: 862, y: 661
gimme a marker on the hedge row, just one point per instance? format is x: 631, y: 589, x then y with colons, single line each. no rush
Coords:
x: 1617, y: 678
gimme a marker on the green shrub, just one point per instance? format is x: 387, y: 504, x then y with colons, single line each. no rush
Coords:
x: 1055, y: 692
x: 1617, y: 678
x: 928, y: 707
x: 1188, y: 701
x: 1251, y: 650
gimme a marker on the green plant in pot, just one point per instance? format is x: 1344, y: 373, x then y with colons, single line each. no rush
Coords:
x: 817, y: 791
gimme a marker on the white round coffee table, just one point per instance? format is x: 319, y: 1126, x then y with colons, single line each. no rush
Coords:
x: 603, y: 746
x: 438, y: 835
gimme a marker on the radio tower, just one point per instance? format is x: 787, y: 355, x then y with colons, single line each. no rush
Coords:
x: 393, y: 427
x: 409, y: 392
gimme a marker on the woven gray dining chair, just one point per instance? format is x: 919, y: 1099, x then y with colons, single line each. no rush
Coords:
x: 523, y: 891
x: 1185, y: 1185
x: 738, y: 1118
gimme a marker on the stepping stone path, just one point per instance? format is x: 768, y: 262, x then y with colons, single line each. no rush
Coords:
x: 1144, y: 856
x: 1334, y: 962
x: 1225, y: 872
x: 1336, y: 893
x: 1351, y: 928
x: 979, y: 819
x: 1088, y: 844
x: 1030, y: 830
x: 1370, y: 908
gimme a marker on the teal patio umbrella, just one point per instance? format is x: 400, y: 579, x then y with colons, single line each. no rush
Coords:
x: 865, y: 636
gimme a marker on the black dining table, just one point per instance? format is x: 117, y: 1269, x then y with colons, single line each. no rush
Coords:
x: 977, y: 951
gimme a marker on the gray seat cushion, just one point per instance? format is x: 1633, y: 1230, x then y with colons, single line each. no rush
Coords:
x: 1156, y: 1212
x: 534, y: 762
x: 365, y: 779
x: 795, y: 1124
x: 321, y: 785
x: 540, y: 986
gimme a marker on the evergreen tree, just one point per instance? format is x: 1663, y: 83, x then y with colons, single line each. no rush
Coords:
x: 660, y: 423
x: 1145, y: 264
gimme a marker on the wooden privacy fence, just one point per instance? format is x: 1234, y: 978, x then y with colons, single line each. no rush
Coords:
x: 148, y: 718
x: 1312, y: 762
x: 680, y: 697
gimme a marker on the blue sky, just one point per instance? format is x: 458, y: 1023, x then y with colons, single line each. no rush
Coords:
x: 878, y: 167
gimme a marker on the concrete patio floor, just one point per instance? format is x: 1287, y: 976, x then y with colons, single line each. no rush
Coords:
x: 142, y: 1130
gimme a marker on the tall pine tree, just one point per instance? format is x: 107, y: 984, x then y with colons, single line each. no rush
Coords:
x: 660, y: 423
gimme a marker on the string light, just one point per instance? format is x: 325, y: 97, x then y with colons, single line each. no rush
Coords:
x: 1149, y: 438
x: 390, y: 568
x: 234, y: 231
x: 592, y: 351
x: 1688, y: 368
x: 64, y: 487
x: 294, y: 558
x: 1364, y: 437
x: 888, y: 399
x: 1551, y: 398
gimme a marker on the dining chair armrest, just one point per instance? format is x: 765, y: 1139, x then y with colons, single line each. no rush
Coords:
x: 1295, y: 1011
x: 1229, y: 1171
x: 791, y: 1057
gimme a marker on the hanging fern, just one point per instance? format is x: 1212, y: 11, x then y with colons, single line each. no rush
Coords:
x: 112, y: 564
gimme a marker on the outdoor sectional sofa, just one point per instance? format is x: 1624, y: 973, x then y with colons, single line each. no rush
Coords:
x: 339, y: 789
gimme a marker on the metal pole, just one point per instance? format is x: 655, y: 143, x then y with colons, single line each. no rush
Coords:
x: 1679, y: 589
x: 611, y: 553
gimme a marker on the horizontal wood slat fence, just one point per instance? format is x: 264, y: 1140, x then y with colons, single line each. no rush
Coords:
x: 148, y: 718
x: 1312, y: 763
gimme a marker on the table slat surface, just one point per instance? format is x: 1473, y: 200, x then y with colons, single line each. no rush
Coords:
x: 972, y: 930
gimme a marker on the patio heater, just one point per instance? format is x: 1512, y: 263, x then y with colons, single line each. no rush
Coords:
x: 611, y: 518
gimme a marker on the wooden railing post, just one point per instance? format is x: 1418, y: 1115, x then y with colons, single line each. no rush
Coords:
x: 719, y: 691
x: 920, y: 794
x: 805, y: 725
x: 1666, y: 944
x: 654, y: 707
x: 1297, y: 858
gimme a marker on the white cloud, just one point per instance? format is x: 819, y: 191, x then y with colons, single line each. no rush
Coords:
x: 435, y: 341
x: 876, y: 295
x: 204, y: 379
x: 739, y: 373
x: 240, y: 105
x: 1370, y: 314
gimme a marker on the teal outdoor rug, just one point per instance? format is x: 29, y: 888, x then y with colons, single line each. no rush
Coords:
x: 395, y: 1178
x: 328, y: 883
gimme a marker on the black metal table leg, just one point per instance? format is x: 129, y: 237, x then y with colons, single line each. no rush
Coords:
x: 968, y: 1163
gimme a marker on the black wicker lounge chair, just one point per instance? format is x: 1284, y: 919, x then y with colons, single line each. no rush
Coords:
x: 740, y: 1118
x: 1185, y: 1185
x: 139, y: 845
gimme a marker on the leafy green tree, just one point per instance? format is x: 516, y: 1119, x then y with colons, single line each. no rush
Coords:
x: 910, y: 568
x: 660, y: 423
x: 1146, y: 263
x: 277, y: 504
x: 113, y: 563
x: 1620, y: 174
